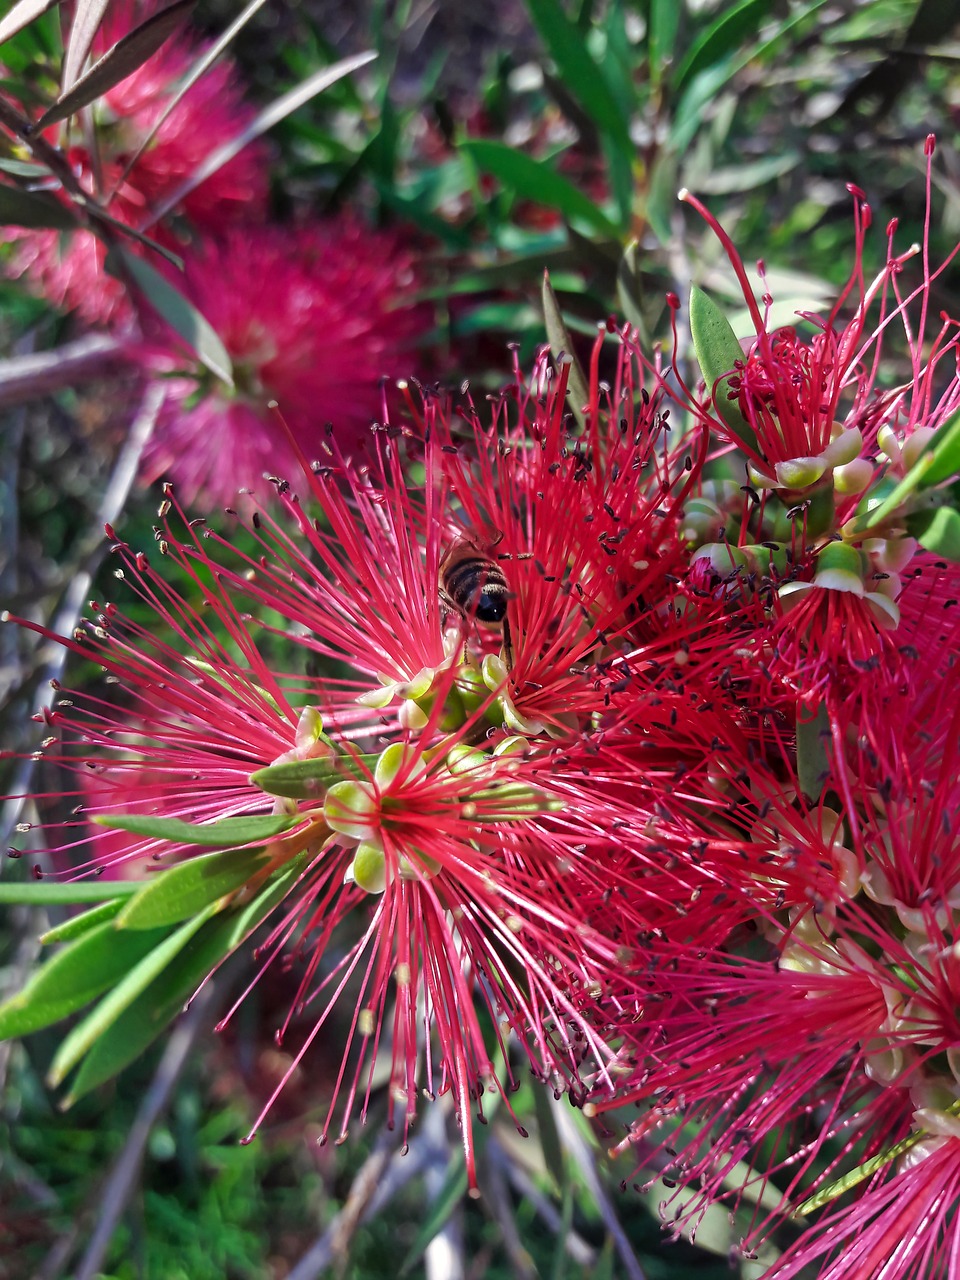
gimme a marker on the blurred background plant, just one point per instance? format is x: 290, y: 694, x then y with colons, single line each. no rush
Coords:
x: 411, y: 204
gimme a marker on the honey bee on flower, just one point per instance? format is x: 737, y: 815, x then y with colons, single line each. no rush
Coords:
x: 474, y: 586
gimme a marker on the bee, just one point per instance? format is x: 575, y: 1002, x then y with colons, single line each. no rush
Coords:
x: 473, y: 585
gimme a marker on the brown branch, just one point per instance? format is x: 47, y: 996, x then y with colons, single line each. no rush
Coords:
x: 31, y: 377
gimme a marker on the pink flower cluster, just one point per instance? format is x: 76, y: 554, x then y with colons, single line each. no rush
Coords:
x: 313, y: 315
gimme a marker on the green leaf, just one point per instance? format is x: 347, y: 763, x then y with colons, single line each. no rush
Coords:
x: 309, y: 779
x: 661, y: 201
x: 44, y: 893
x: 137, y: 1026
x: 718, y: 351
x: 182, y: 316
x: 812, y: 763
x: 578, y: 389
x: 151, y: 966
x: 116, y: 64
x: 276, y: 111
x: 182, y: 891
x: 938, y: 531
x: 580, y: 73
x: 438, y: 1214
x: 76, y: 926
x: 941, y: 459
x: 20, y: 208
x: 665, y: 17
x: 939, y: 462
x: 536, y: 181
x: 73, y: 977
x: 732, y: 179
x: 630, y: 287
x: 727, y: 34
x: 226, y: 833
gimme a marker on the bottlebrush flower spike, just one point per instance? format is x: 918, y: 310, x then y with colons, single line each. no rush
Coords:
x: 416, y: 822
x: 312, y: 318
x: 68, y: 270
x: 810, y: 407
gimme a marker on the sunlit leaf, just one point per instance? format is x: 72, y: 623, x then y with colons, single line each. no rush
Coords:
x: 265, y: 120
x: 20, y: 208
x: 73, y: 977
x: 126, y: 991
x: 941, y: 459
x: 117, y: 63
x: 215, y: 835
x: 190, y: 887
x: 182, y: 316
x: 138, y: 1025
x: 718, y: 350
x: 23, y: 168
x: 76, y: 926
x: 43, y: 893
x: 309, y: 779
x: 732, y: 179
x: 537, y: 181
x: 665, y: 19
x: 21, y: 15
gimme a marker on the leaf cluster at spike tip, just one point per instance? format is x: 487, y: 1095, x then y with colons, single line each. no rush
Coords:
x: 679, y: 834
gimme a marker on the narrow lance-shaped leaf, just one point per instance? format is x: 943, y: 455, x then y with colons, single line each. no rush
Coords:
x: 215, y: 835
x: 309, y: 779
x: 266, y: 119
x: 21, y: 15
x: 581, y: 75
x: 441, y: 1208
x: 87, y: 16
x: 730, y: 32
x: 117, y: 63
x: 144, y: 1019
x: 190, y: 887
x: 76, y: 926
x: 718, y: 351
x: 136, y: 980
x: 48, y: 893
x: 182, y: 316
x: 20, y: 208
x: 941, y: 459
x: 199, y: 68
x: 73, y: 977
x: 535, y: 180
x: 578, y: 390
x: 938, y: 462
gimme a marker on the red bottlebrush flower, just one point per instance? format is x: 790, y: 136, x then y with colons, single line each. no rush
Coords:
x: 905, y: 1226
x: 813, y: 411
x: 312, y: 318
x: 68, y: 268
x: 426, y: 811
